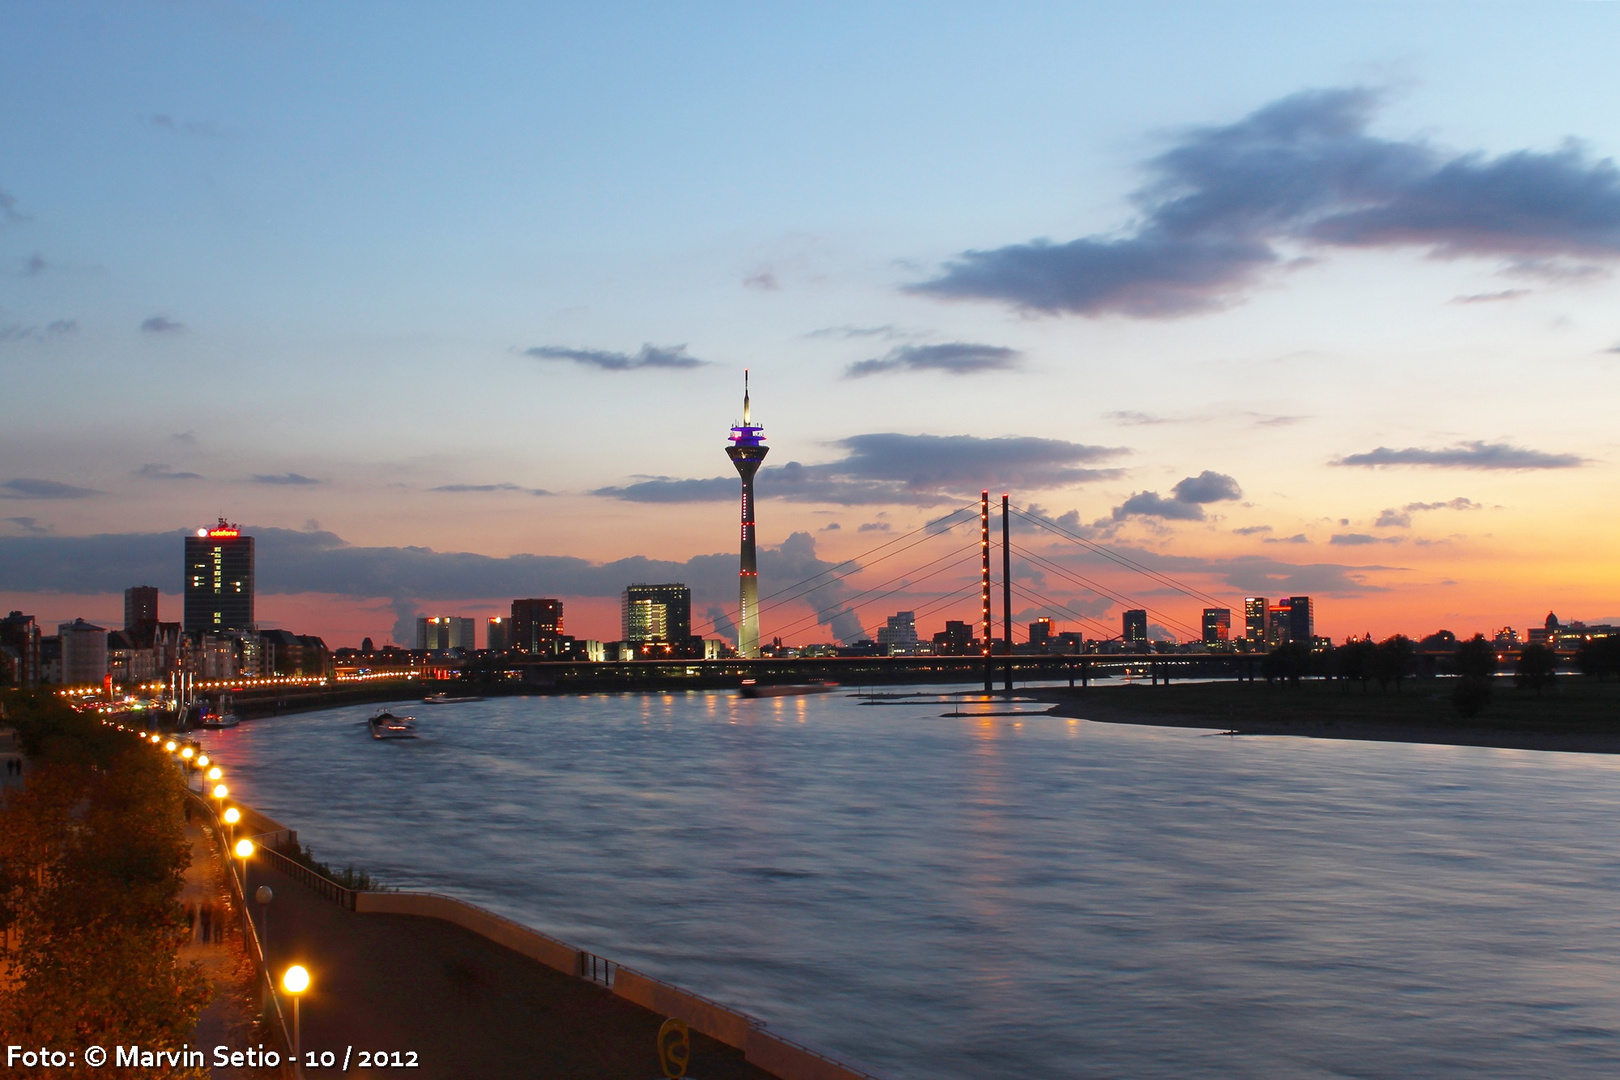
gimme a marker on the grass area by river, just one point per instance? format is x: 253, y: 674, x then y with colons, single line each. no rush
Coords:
x: 1578, y: 713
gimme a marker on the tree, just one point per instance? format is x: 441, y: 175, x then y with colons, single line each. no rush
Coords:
x: 1354, y: 661
x: 1536, y: 667
x: 1393, y: 661
x: 1599, y: 657
x: 1289, y: 662
x: 1474, y: 662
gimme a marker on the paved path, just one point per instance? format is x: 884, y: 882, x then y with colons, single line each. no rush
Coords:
x: 216, y: 945
x: 467, y: 1006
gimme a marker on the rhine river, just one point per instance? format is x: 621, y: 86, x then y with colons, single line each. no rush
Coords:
x: 1008, y: 896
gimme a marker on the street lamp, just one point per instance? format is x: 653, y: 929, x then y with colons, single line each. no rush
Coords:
x: 295, y: 982
x: 202, y: 761
x: 220, y: 791
x: 169, y: 746
x: 231, y: 816
x: 215, y: 773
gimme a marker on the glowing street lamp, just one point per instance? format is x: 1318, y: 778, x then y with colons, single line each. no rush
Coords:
x: 187, y: 753
x: 295, y: 982
x: 215, y: 773
x: 202, y: 761
x: 220, y: 791
x: 231, y: 816
x: 169, y: 746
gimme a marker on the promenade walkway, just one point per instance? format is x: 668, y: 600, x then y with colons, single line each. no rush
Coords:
x: 464, y: 1005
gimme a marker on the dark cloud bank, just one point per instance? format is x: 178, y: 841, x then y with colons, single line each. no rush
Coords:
x: 1223, y: 205
x: 888, y: 469
x: 1468, y: 455
x: 650, y: 356
x: 953, y: 358
x: 322, y: 562
x: 1187, y: 499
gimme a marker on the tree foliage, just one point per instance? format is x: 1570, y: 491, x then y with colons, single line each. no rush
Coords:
x: 92, y: 858
x: 1536, y: 667
x: 1599, y: 657
x: 1393, y: 661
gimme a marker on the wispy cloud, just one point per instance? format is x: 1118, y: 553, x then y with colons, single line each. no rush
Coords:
x: 156, y: 471
x: 162, y: 324
x: 875, y: 526
x: 1297, y: 538
x: 195, y: 128
x: 9, y: 214
x: 20, y: 332
x: 27, y: 488
x: 1222, y: 204
x: 489, y: 487
x: 1252, y: 530
x: 1359, y: 539
x: 1490, y: 297
x: 650, y: 356
x: 953, y: 358
x: 289, y: 479
x: 887, y: 332
x: 762, y: 278
x: 28, y: 525
x: 1401, y: 518
x: 1467, y: 455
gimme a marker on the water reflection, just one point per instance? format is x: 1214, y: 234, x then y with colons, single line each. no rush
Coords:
x: 984, y: 895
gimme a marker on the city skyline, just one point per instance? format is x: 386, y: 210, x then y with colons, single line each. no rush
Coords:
x: 1325, y: 306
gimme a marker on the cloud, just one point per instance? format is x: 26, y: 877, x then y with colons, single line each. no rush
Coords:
x: 291, y: 561
x: 29, y: 525
x: 1468, y: 455
x: 763, y: 278
x: 34, y: 265
x: 1223, y: 204
x: 722, y: 622
x: 888, y: 332
x: 1186, y: 502
x: 888, y: 468
x: 1297, y: 538
x: 162, y: 324
x: 9, y: 214
x: 19, y: 332
x: 1402, y: 518
x: 954, y: 358
x: 1252, y: 530
x: 62, y: 326
x: 1152, y: 504
x: 163, y: 472
x: 650, y: 356
x: 1359, y: 539
x: 1139, y: 419
x: 875, y: 526
x: 24, y: 488
x: 831, y: 526
x: 1489, y: 297
x: 1207, y: 487
x: 489, y: 487
x: 290, y: 479
x: 195, y: 128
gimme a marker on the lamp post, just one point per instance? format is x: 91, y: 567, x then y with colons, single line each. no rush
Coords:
x: 295, y: 982
x: 231, y: 816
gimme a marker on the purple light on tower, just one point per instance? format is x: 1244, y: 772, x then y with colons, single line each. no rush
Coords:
x: 746, y: 451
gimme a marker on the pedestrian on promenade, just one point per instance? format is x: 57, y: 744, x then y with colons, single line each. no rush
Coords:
x: 206, y: 915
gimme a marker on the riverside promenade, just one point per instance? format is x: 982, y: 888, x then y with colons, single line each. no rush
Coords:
x: 463, y: 1004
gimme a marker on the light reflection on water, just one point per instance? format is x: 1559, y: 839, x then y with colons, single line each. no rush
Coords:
x: 1008, y: 896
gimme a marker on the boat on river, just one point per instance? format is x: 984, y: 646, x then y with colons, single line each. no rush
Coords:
x: 222, y: 715
x: 385, y: 725
x: 752, y: 689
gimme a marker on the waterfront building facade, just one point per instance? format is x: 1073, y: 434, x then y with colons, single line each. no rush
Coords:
x: 84, y: 653
x: 140, y: 607
x: 496, y: 635
x: 661, y: 613
x: 1133, y: 630
x: 20, y: 644
x: 1217, y: 626
x: 441, y: 633
x: 899, y: 636
x: 536, y: 625
x: 1254, y: 620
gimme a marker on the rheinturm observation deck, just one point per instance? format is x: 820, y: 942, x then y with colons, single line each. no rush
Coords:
x: 746, y: 451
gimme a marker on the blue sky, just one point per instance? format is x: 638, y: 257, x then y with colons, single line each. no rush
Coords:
x: 331, y: 260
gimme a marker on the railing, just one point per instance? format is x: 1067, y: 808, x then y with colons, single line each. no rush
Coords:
x: 597, y: 969
x: 311, y: 879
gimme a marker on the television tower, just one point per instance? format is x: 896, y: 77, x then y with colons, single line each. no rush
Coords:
x: 746, y: 451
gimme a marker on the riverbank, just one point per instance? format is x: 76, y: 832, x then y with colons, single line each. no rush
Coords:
x: 1578, y: 715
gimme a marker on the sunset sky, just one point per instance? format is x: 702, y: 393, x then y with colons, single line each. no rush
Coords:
x: 449, y: 304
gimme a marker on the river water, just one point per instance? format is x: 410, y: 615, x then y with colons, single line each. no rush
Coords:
x: 934, y: 896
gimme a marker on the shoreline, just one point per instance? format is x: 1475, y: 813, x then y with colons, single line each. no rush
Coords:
x: 1093, y: 705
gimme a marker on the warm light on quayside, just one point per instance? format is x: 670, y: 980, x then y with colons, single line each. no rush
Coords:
x: 232, y: 816
x: 296, y: 980
x: 215, y: 773
x: 244, y: 849
x: 202, y: 761
x: 187, y: 752
x: 220, y: 791
x: 170, y: 745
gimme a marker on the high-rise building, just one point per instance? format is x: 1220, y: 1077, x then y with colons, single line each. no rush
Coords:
x: 496, y: 637
x: 1134, y: 628
x: 747, y: 451
x: 536, y: 625
x: 1301, y: 619
x: 900, y: 635
x: 1040, y: 631
x: 140, y: 608
x: 441, y: 633
x: 1254, y: 619
x: 219, y: 580
x: 1217, y: 625
x: 84, y: 653
x: 955, y: 640
x: 657, y: 613
x: 19, y: 635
